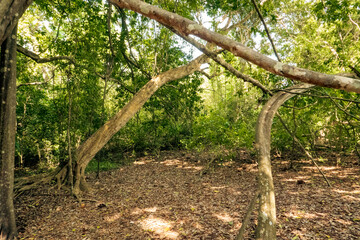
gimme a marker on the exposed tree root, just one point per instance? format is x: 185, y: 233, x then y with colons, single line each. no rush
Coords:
x: 28, y: 183
x: 60, y: 175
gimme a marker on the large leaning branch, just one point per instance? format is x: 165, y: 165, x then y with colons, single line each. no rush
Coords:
x: 189, y: 27
x: 87, y: 150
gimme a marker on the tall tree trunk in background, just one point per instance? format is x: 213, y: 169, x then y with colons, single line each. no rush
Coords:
x: 87, y: 150
x: 10, y: 13
x: 7, y: 135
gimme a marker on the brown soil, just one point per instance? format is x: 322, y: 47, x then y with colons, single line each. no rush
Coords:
x: 167, y: 197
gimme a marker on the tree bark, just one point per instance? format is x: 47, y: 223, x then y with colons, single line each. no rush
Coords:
x: 94, y: 143
x: 266, y: 228
x: 188, y: 27
x: 10, y: 13
x: 7, y: 135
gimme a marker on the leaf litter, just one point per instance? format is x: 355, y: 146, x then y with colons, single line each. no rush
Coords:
x: 168, y: 197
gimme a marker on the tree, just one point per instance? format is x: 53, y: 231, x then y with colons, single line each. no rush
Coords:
x: 86, y: 151
x: 11, y: 10
x: 7, y: 135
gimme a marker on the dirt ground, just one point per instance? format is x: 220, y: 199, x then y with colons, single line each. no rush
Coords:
x: 171, y: 197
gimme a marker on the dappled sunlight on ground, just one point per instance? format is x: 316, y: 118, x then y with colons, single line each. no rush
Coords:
x: 225, y: 217
x: 217, y: 188
x: 357, y: 191
x: 141, y: 162
x: 137, y: 211
x: 181, y: 164
x: 172, y: 162
x: 295, y: 213
x: 296, y: 179
x: 158, y: 226
x: 165, y: 197
x: 196, y: 168
x: 113, y: 217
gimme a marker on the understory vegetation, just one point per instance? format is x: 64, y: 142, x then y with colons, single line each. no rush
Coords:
x: 113, y: 53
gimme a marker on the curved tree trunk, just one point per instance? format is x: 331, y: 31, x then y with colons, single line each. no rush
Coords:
x: 266, y: 228
x: 95, y: 142
x: 7, y: 135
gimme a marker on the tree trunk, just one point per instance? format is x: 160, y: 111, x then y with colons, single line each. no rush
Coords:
x: 266, y: 228
x: 94, y: 143
x: 7, y: 135
x: 188, y: 27
x: 10, y: 13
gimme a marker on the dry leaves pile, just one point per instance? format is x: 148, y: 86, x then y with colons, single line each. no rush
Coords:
x: 166, y: 197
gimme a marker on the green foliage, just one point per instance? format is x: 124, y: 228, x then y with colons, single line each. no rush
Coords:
x: 105, y: 165
x: 112, y: 64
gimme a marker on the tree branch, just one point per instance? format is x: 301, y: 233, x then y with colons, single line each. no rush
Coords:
x: 187, y: 27
x: 222, y: 62
x: 355, y: 71
x: 303, y: 148
x: 266, y: 29
x: 38, y: 59
x: 32, y: 83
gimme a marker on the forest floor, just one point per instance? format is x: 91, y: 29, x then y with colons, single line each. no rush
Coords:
x: 168, y: 197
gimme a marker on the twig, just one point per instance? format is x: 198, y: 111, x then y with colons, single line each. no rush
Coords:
x: 303, y: 148
x: 245, y: 222
x: 321, y: 96
x: 300, y: 108
x: 38, y: 59
x: 341, y: 109
x: 266, y: 30
x: 32, y: 83
x: 355, y: 71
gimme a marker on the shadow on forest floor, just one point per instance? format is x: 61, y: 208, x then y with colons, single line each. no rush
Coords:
x: 166, y: 197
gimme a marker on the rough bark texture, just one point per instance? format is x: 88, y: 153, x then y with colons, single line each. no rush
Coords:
x: 7, y: 135
x: 188, y: 27
x: 266, y: 229
x: 94, y: 143
x: 10, y: 13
